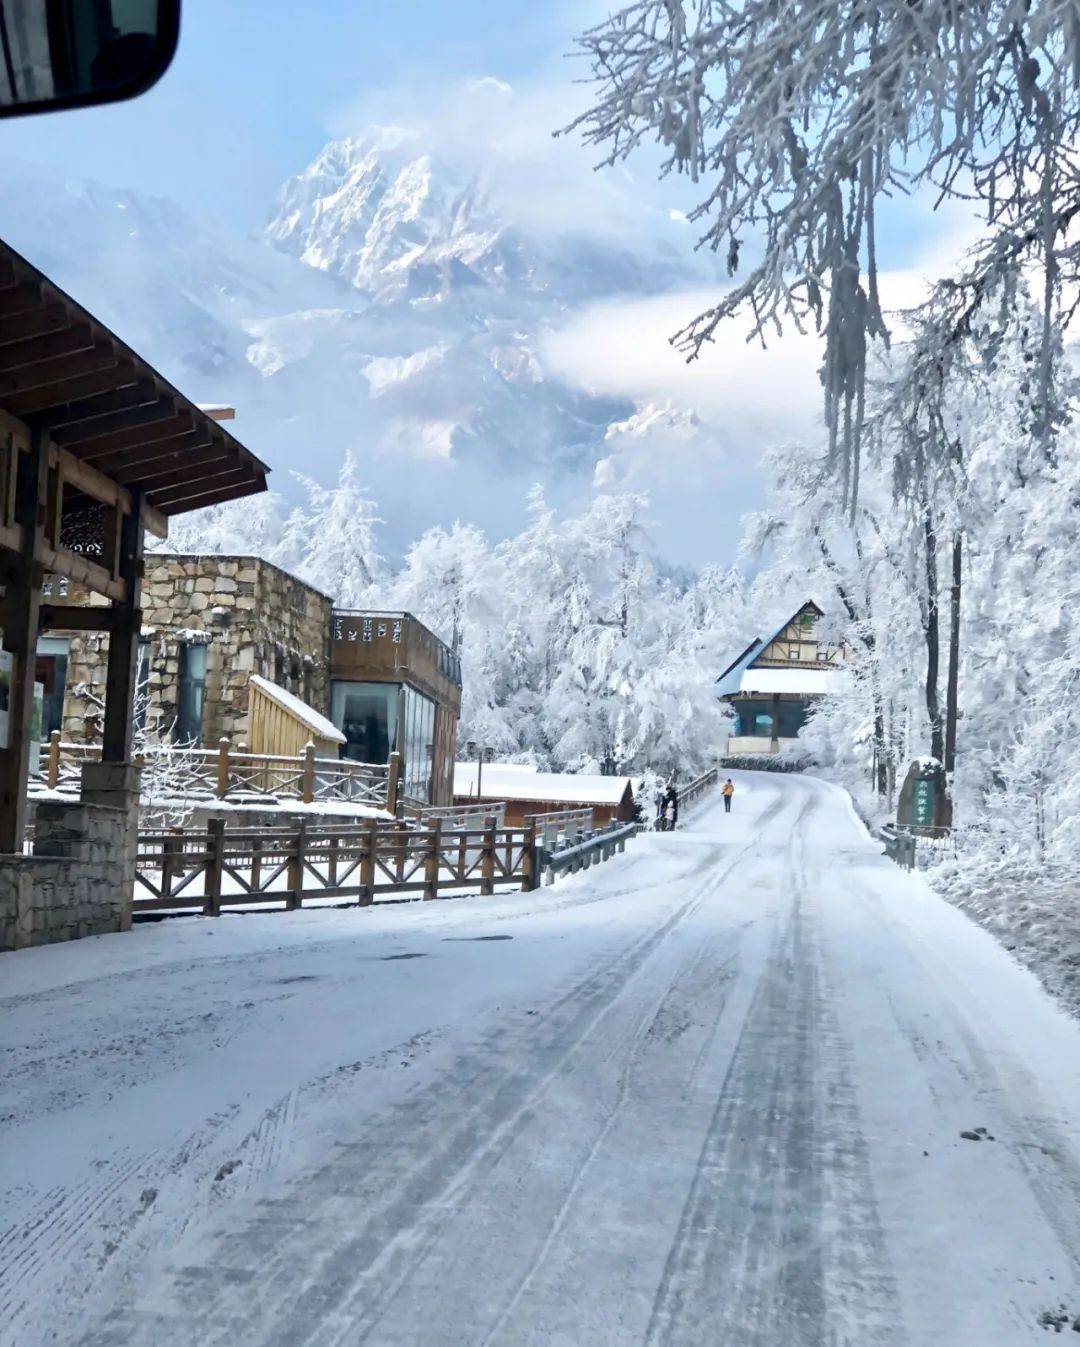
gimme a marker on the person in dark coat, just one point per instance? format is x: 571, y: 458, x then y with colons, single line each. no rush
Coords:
x: 669, y: 807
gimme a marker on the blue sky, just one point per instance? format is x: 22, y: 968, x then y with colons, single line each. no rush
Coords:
x: 258, y: 86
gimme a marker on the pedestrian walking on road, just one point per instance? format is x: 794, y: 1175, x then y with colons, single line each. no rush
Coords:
x: 727, y: 792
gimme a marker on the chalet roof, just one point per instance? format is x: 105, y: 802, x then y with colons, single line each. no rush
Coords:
x: 744, y: 676
x: 513, y: 782
x: 63, y: 371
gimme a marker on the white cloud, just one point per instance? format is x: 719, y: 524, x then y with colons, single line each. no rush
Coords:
x: 544, y: 182
x: 622, y: 349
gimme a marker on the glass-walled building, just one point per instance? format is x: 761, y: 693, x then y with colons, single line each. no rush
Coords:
x: 395, y: 687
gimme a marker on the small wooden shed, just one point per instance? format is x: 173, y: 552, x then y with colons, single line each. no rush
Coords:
x: 526, y: 792
x: 279, y: 722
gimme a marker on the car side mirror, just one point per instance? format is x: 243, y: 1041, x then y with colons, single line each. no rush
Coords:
x: 57, y: 54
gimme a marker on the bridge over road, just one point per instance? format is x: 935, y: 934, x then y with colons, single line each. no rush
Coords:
x: 713, y: 1092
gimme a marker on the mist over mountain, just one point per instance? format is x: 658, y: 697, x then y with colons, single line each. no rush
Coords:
x: 393, y: 305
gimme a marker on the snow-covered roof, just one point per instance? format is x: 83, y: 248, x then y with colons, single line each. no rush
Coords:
x: 806, y: 681
x: 319, y: 725
x: 731, y: 679
x: 512, y: 781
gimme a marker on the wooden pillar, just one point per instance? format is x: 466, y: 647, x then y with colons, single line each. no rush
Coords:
x: 367, y: 865
x: 528, y: 857
x: 393, y: 783
x: 487, y: 860
x: 124, y: 639
x: 215, y: 867
x: 775, y: 744
x: 23, y: 576
x: 433, y: 859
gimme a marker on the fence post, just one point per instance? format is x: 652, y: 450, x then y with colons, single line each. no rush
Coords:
x: 307, y: 787
x: 400, y: 829
x: 528, y: 858
x: 367, y: 865
x: 332, y: 861
x: 487, y: 858
x: 431, y: 860
x: 255, y: 879
x: 393, y: 782
x: 53, y: 775
x: 215, y: 847
x: 170, y: 851
x: 223, y: 768
x: 295, y: 872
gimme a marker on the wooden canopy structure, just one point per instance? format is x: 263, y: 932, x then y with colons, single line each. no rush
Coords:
x: 95, y: 447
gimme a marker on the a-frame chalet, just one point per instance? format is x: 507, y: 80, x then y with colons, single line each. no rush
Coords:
x: 775, y: 681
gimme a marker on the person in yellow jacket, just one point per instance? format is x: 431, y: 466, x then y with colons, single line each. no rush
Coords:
x: 727, y: 792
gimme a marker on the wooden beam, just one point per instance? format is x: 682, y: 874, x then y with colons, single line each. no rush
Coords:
x: 90, y: 480
x: 34, y: 322
x: 50, y: 373
x: 154, y: 521
x: 50, y: 345
x: 177, y: 470
x: 117, y: 728
x: 78, y: 386
x: 128, y: 467
x: 256, y: 484
x: 83, y: 570
x: 88, y: 411
x: 75, y: 617
x: 197, y: 486
x: 20, y: 298
x: 128, y: 418
x: 23, y: 577
x: 116, y: 446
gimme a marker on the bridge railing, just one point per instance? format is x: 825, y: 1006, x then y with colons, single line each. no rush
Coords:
x: 586, y: 850
x: 693, y: 791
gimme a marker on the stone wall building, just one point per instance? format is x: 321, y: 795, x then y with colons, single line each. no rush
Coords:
x: 209, y: 623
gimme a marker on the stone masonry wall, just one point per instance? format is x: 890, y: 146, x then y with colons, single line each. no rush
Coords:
x: 76, y: 883
x: 253, y: 618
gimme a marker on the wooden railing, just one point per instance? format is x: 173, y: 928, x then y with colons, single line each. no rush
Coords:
x: 217, y: 867
x: 694, y: 790
x: 225, y: 773
x: 453, y: 815
x: 561, y: 827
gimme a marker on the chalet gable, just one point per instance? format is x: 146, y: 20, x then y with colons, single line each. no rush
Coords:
x: 795, y: 644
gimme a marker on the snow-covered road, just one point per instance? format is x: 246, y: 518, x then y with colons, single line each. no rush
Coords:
x: 710, y: 1093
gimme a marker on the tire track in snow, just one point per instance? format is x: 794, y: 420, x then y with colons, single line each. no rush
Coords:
x: 779, y: 1239
x: 353, y: 1272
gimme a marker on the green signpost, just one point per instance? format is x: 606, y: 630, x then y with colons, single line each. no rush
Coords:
x: 922, y: 814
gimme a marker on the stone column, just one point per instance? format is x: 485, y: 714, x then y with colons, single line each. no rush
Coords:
x: 116, y: 786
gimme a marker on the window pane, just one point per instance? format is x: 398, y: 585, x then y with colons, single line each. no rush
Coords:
x: 192, y: 691
x: 366, y: 714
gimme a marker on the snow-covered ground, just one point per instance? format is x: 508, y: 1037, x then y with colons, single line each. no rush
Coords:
x: 709, y: 1093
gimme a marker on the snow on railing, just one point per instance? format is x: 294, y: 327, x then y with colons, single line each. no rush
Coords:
x: 215, y: 866
x: 586, y: 850
x: 694, y: 790
x: 225, y: 773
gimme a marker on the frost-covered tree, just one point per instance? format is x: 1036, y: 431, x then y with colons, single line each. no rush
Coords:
x: 329, y: 541
x: 800, y: 120
x: 249, y: 527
